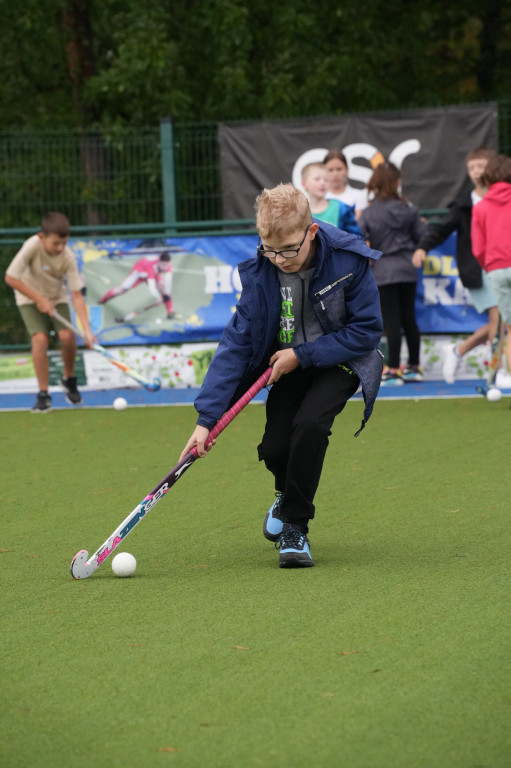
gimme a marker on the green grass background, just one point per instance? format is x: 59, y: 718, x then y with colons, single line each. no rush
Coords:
x: 393, y: 652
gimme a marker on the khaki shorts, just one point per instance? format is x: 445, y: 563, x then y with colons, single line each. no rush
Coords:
x: 37, y: 322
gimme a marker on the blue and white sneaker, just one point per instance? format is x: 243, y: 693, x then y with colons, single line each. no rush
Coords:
x: 273, y: 524
x: 294, y: 548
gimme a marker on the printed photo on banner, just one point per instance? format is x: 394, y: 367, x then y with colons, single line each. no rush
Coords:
x: 161, y: 291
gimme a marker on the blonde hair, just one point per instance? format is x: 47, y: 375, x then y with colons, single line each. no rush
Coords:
x: 281, y: 210
x: 306, y: 170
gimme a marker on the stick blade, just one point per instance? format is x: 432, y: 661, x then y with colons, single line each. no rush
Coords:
x: 80, y: 568
x: 155, y: 386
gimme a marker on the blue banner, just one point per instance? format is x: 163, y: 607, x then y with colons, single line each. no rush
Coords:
x: 442, y: 304
x: 176, y: 290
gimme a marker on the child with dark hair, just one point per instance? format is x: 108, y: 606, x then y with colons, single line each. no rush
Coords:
x: 339, y: 187
x: 491, y: 234
x: 38, y: 275
x: 473, y: 278
x: 392, y: 225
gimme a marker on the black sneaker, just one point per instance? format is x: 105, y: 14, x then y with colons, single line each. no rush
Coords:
x: 73, y: 397
x: 43, y: 402
x: 294, y: 548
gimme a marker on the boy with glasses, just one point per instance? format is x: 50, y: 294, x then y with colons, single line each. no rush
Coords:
x: 309, y: 307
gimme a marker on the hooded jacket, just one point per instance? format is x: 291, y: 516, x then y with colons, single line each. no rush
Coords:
x: 394, y: 227
x: 346, y: 302
x: 458, y: 219
x: 491, y: 228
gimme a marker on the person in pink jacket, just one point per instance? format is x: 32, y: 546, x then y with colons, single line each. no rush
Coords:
x: 491, y: 235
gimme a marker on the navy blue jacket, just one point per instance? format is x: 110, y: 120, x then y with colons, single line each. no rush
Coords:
x: 346, y: 301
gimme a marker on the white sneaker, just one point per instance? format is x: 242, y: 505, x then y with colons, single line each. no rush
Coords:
x: 503, y: 380
x: 450, y: 363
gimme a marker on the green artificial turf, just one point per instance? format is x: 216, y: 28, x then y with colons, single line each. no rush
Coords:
x: 393, y: 652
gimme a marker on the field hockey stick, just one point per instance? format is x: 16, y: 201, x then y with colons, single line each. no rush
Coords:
x: 152, y: 386
x: 496, y: 349
x: 82, y: 566
x: 138, y: 312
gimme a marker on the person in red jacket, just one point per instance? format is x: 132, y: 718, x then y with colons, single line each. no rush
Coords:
x: 472, y: 277
x: 491, y: 235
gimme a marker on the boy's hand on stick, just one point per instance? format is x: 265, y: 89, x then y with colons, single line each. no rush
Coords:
x: 45, y: 306
x: 283, y: 361
x: 90, y: 339
x: 198, y: 440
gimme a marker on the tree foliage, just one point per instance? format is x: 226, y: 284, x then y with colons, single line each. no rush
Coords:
x: 89, y: 62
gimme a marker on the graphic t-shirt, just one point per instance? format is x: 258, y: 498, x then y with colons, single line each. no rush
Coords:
x: 298, y: 321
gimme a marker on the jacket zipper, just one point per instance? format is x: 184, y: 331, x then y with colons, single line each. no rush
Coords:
x: 302, y: 311
x: 327, y: 288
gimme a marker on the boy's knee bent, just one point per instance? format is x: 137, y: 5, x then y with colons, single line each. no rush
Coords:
x: 67, y: 337
x: 40, y: 341
x: 272, y: 451
x: 310, y: 427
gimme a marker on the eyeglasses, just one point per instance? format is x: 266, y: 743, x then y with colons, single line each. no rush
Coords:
x: 287, y: 253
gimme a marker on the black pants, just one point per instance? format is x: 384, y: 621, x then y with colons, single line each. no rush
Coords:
x: 397, y: 302
x: 300, y: 411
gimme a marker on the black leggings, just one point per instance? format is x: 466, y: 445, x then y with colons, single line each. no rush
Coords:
x: 300, y: 411
x: 397, y: 302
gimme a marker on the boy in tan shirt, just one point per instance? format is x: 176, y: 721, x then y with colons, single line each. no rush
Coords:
x: 37, y: 274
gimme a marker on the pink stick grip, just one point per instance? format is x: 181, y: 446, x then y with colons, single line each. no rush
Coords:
x: 236, y: 408
x: 239, y: 405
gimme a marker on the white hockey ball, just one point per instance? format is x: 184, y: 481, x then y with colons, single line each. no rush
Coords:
x: 120, y: 403
x: 124, y: 564
x: 493, y: 395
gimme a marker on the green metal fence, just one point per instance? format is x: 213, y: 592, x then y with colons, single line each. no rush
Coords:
x: 110, y: 178
x: 93, y: 178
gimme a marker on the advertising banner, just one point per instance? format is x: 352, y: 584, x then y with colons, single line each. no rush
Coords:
x: 169, y: 328
x: 137, y: 296
x: 429, y: 145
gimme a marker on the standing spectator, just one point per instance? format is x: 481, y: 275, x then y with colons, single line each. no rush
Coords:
x: 392, y: 225
x: 471, y: 275
x: 38, y: 275
x: 338, y: 186
x: 491, y: 235
x: 315, y: 183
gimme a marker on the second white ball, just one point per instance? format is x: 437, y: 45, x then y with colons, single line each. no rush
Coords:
x: 493, y: 395
x: 120, y: 403
x: 124, y: 564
